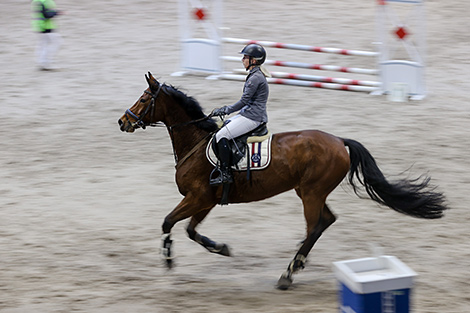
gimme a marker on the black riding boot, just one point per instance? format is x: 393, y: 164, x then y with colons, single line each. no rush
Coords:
x: 224, y: 156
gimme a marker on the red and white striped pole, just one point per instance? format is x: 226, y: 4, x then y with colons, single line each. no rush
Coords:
x: 302, y: 83
x: 300, y: 47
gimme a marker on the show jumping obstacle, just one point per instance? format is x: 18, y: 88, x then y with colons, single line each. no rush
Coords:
x: 204, y: 55
x: 324, y: 79
x: 303, y: 83
x: 271, y: 44
x: 333, y: 68
x: 283, y: 78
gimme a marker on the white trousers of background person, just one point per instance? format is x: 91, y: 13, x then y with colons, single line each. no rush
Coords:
x: 237, y: 126
x: 48, y: 45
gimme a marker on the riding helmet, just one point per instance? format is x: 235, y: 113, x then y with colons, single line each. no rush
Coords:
x: 255, y: 51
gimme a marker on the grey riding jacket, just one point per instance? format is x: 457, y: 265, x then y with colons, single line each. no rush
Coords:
x: 254, y: 98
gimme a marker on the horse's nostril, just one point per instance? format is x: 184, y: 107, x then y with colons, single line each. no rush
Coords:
x: 120, y: 122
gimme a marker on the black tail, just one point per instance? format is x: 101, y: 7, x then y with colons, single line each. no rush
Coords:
x: 412, y: 197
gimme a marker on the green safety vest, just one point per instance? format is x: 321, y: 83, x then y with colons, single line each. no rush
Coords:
x: 39, y: 22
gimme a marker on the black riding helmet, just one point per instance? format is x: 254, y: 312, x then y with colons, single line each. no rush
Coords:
x: 255, y: 51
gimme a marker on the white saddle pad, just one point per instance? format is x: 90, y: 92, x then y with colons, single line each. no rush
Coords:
x: 258, y: 155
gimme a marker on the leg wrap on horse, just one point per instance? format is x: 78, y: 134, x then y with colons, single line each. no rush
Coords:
x: 212, y: 246
x: 295, y: 265
x: 298, y: 263
x: 207, y: 243
x: 167, y: 252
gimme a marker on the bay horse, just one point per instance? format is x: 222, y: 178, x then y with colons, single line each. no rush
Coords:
x: 311, y: 162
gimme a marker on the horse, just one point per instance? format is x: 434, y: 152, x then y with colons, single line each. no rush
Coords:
x: 311, y: 162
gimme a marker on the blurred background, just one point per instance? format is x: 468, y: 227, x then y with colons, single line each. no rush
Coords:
x: 81, y: 204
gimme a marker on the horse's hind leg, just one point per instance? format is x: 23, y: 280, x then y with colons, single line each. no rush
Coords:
x: 211, y: 246
x: 319, y: 218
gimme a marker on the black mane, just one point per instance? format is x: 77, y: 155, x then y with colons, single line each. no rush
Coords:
x: 192, y: 108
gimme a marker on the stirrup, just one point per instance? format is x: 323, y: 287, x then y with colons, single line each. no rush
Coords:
x: 216, y: 177
x: 219, y: 177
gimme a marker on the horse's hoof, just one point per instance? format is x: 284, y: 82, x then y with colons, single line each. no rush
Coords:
x: 284, y: 283
x: 225, y: 251
x: 219, y: 248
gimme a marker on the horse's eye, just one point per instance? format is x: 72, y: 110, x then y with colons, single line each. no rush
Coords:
x: 142, y: 100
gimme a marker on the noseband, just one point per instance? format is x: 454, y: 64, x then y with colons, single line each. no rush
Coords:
x: 150, y: 107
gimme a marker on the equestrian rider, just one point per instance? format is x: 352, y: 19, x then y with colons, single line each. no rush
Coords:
x: 252, y: 106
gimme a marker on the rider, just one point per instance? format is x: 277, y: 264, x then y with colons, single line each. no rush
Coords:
x: 252, y: 106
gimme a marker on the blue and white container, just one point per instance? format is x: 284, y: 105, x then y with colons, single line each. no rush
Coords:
x: 374, y: 285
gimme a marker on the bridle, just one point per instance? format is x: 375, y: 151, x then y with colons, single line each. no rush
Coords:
x: 150, y: 107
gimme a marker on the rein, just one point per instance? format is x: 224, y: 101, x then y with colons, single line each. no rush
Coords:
x: 190, y: 153
x: 192, y: 122
x: 196, y: 147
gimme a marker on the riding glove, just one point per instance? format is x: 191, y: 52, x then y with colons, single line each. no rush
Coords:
x: 220, y: 111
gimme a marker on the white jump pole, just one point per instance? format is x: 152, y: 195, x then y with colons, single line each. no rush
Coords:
x: 302, y: 83
x: 335, y: 80
x: 333, y: 68
x: 300, y: 47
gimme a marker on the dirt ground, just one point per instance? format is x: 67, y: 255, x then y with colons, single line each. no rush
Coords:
x: 81, y: 204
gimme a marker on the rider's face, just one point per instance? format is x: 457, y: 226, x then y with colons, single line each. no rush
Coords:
x: 246, y: 61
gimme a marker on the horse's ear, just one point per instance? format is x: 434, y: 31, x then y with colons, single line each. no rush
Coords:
x: 151, y: 80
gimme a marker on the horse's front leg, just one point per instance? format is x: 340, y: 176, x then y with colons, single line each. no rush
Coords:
x: 211, y: 246
x: 167, y: 251
x: 188, y: 207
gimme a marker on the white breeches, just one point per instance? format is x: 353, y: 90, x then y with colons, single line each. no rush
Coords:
x: 237, y: 126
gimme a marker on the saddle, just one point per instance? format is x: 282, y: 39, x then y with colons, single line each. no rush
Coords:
x: 253, y: 146
x: 241, y: 149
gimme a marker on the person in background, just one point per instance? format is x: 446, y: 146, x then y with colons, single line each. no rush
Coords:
x: 49, y: 40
